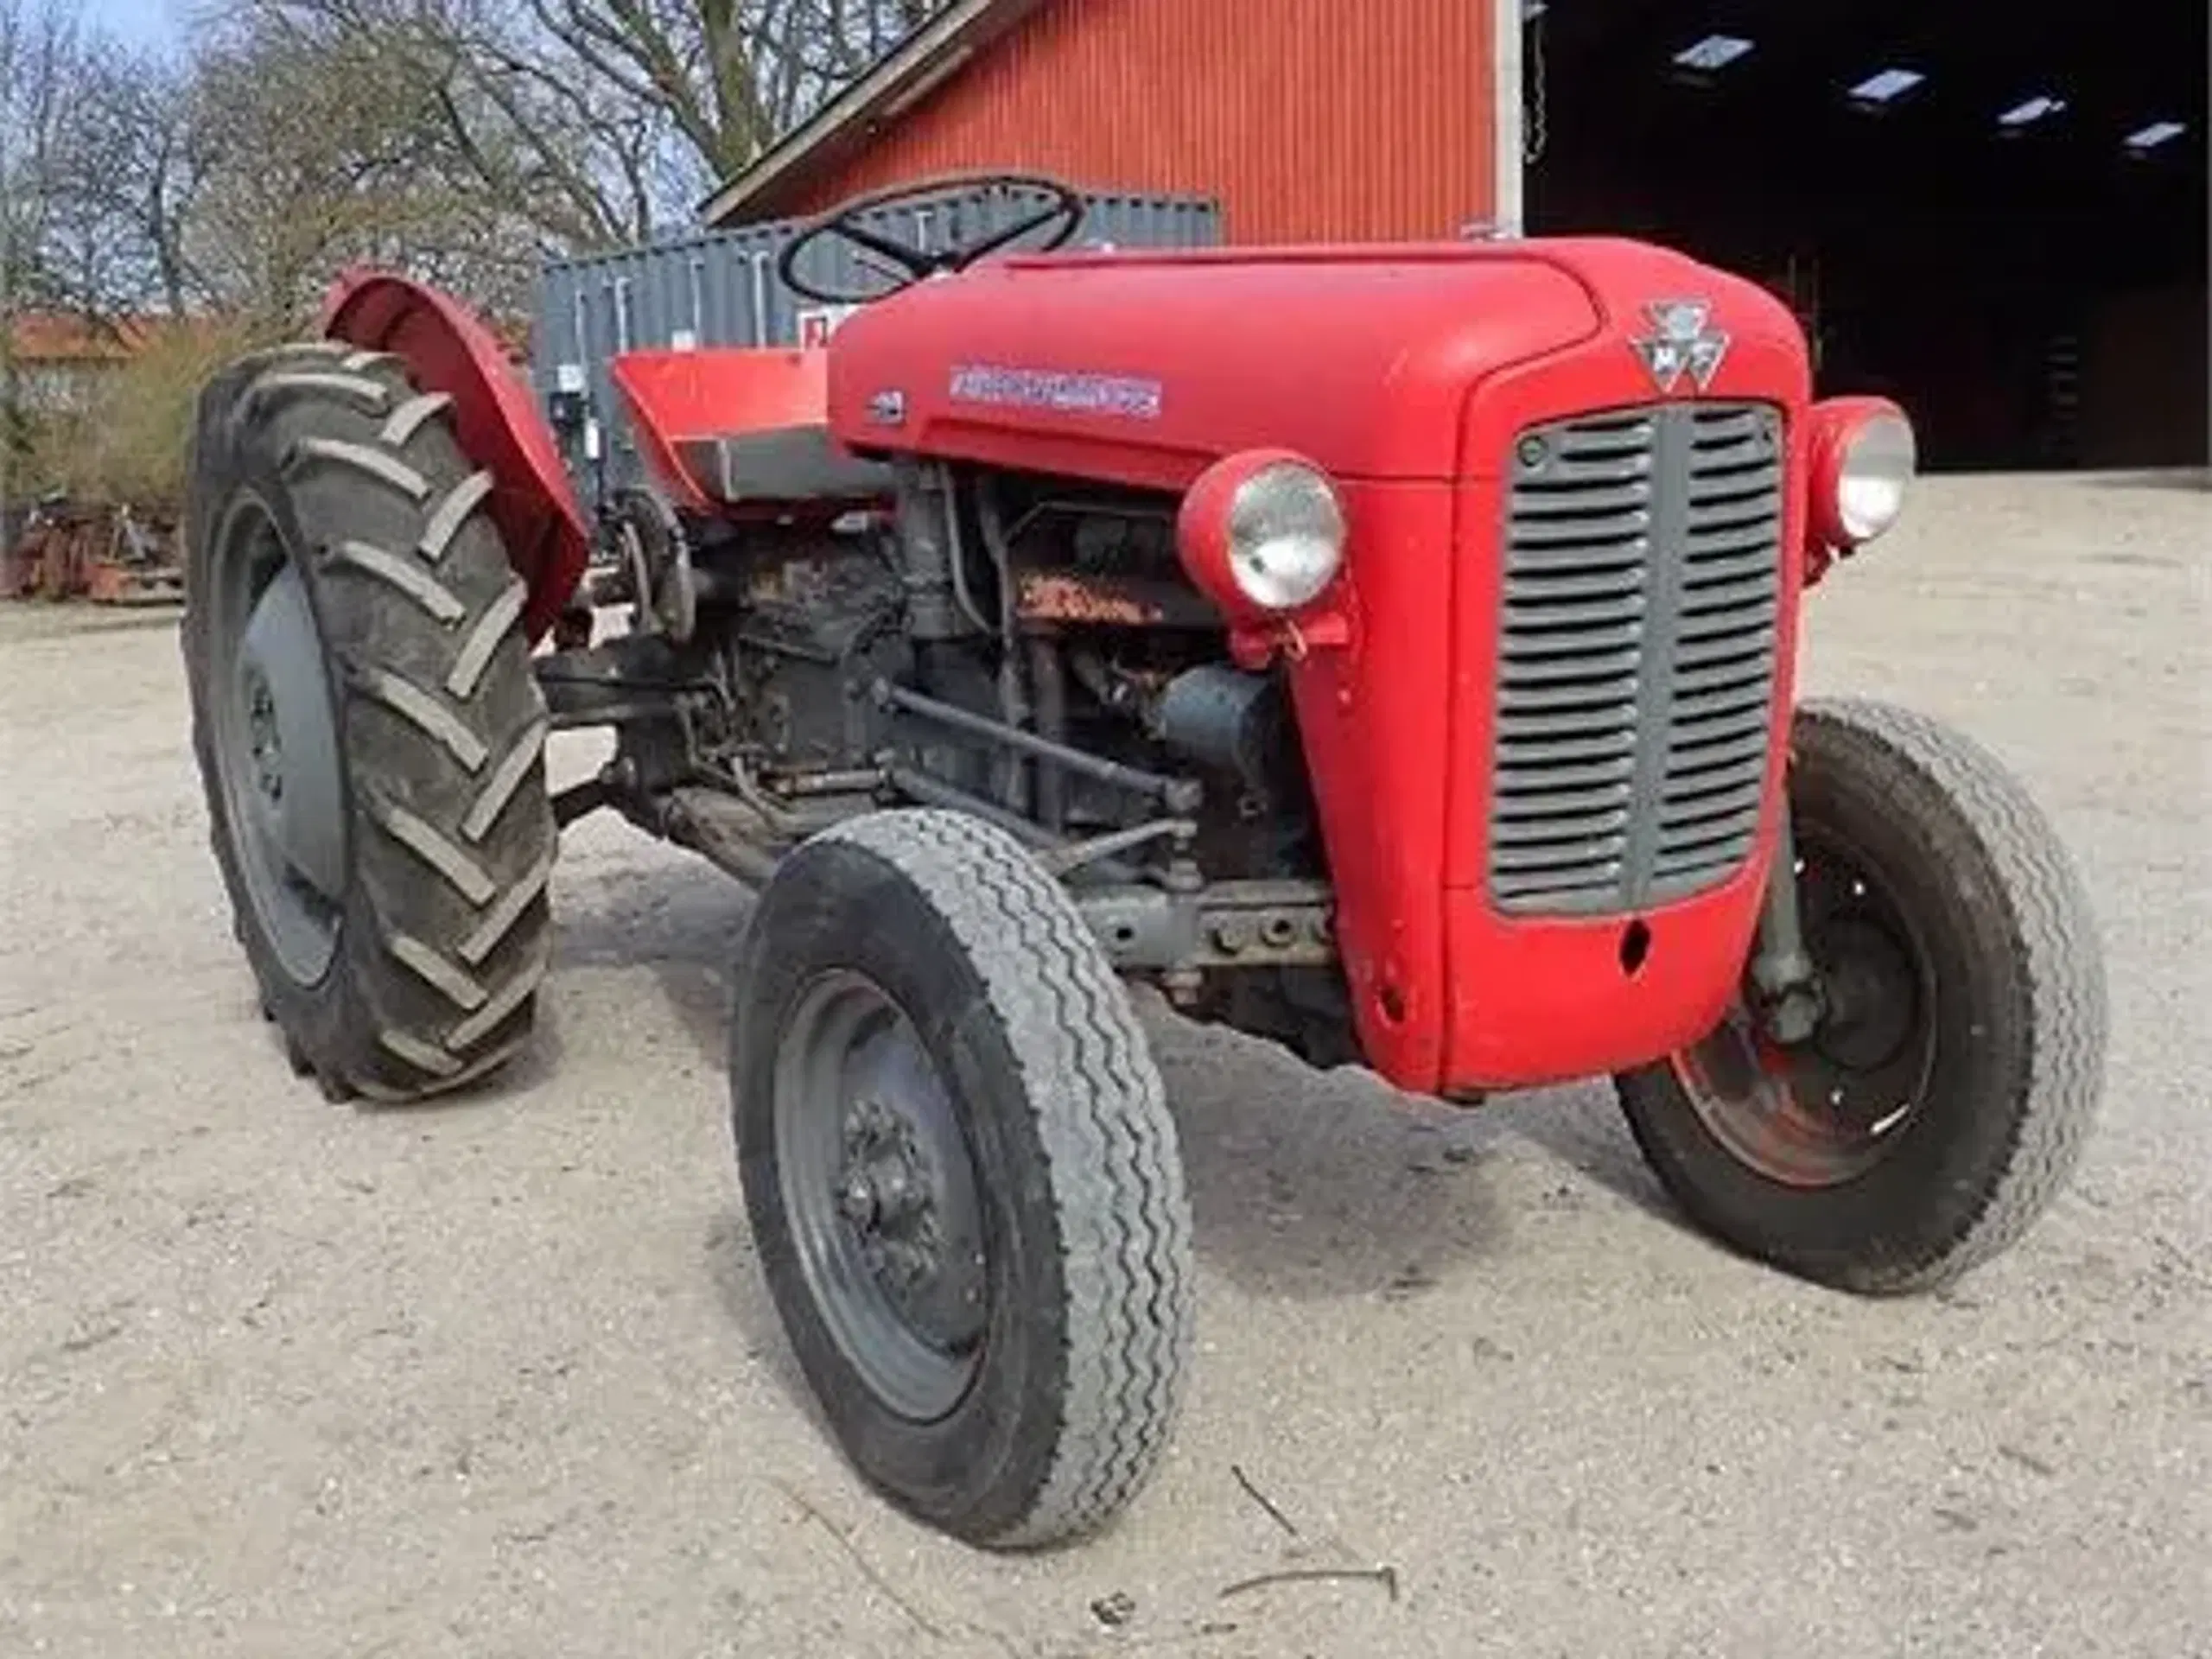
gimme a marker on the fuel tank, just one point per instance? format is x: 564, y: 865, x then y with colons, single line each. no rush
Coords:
x: 1144, y: 368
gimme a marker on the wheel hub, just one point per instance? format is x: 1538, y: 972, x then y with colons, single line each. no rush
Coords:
x: 882, y: 1193
x: 1824, y: 1110
x: 1869, y: 984
x: 266, y: 738
x: 890, y: 1194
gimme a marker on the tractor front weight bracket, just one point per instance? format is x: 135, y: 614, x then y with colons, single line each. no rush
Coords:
x: 1263, y: 924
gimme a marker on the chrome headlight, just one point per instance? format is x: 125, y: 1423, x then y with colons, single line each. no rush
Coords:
x: 1876, y: 462
x: 1286, y: 539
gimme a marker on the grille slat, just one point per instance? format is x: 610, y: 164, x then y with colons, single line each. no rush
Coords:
x: 1566, y: 697
x: 1709, y: 705
x: 1580, y: 501
x: 1544, y: 614
x: 1625, y: 584
x: 1704, y: 573
x: 1715, y: 682
x: 1640, y: 599
x: 1754, y: 536
x: 1549, y: 832
x: 1729, y: 647
x: 1713, y: 420
x: 1744, y: 592
x: 1734, y: 451
x: 1626, y: 529
x: 1567, y: 800
x: 1713, y: 772
x: 1566, y: 860
x: 1535, y: 670
x: 1533, y: 784
x: 1713, y: 828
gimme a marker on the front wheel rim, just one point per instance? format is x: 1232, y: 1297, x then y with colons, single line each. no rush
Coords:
x: 1825, y: 1112
x: 880, y: 1195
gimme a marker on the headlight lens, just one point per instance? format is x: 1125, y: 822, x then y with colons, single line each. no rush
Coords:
x: 1878, y: 463
x: 1285, y: 536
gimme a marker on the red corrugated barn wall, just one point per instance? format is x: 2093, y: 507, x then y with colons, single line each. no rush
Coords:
x: 1308, y: 120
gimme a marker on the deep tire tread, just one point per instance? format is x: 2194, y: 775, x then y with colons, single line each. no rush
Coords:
x: 1096, y: 1110
x: 367, y: 459
x: 1101, y: 1111
x: 2056, y: 932
x: 2045, y: 1104
x: 438, y: 602
x: 446, y: 939
x: 410, y: 414
x: 451, y: 513
x: 425, y: 712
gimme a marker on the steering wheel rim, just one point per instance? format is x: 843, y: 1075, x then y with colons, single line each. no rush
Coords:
x: 916, y: 264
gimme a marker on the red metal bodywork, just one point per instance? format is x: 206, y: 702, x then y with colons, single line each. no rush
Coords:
x: 494, y: 417
x: 675, y: 395
x: 1405, y: 371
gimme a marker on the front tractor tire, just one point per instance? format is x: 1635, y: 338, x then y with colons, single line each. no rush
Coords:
x: 368, y: 732
x: 1943, y: 1100
x: 962, y: 1177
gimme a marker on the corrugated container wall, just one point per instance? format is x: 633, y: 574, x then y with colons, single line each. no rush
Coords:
x: 721, y: 288
x: 1308, y: 120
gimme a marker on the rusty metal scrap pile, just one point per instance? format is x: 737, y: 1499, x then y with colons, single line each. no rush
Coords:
x: 107, y: 555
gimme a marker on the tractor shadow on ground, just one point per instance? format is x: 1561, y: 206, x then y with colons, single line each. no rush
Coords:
x: 676, y: 917
x: 1582, y: 1128
x: 680, y: 919
x: 1319, y: 1186
x: 742, y: 1291
x: 1304, y: 1185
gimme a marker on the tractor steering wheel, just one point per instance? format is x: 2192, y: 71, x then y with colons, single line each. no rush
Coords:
x: 911, y: 264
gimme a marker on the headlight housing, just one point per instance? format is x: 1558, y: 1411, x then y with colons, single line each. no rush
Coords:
x: 1285, y: 536
x: 1262, y: 532
x: 1864, y: 457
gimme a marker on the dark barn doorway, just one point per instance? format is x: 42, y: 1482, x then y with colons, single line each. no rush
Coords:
x: 1994, y: 213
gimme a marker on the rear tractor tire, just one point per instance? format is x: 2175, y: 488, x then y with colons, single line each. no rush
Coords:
x: 962, y: 1177
x: 368, y: 732
x: 1944, y: 1098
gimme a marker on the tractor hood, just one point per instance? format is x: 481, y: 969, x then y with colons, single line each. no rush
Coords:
x: 1145, y: 368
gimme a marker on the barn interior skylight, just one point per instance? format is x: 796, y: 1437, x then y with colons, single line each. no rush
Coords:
x: 2029, y: 110
x: 1886, y: 85
x: 1713, y: 52
x: 2149, y: 138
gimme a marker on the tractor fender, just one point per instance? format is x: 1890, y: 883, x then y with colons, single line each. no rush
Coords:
x: 448, y: 348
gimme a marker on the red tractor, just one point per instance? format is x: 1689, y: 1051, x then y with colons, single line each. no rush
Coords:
x: 1387, y: 650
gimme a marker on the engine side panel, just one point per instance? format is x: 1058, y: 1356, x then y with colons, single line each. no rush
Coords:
x: 1376, y: 725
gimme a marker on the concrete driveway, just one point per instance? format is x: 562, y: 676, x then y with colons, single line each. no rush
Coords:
x: 501, y: 1377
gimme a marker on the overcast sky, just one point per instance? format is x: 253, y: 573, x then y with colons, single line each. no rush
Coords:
x: 142, y: 23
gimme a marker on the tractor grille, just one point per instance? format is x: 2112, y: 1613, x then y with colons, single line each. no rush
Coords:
x: 1643, y: 572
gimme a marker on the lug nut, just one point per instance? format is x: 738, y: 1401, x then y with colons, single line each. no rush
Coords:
x: 856, y: 1201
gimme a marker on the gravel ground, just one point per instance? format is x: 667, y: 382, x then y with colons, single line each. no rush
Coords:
x: 501, y: 1377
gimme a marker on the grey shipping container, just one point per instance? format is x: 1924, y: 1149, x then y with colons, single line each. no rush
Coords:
x: 720, y: 287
